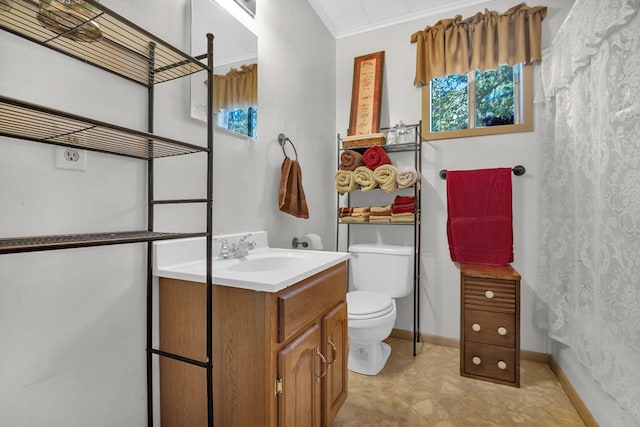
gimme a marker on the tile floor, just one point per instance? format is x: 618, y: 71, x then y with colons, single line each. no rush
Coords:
x: 427, y: 390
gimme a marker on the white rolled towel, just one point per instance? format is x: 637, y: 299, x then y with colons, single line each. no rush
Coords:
x: 407, y: 177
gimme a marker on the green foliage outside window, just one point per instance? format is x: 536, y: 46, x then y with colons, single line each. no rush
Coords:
x: 243, y: 120
x: 449, y: 103
x: 494, y: 99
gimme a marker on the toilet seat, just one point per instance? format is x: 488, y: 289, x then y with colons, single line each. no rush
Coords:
x: 362, y: 305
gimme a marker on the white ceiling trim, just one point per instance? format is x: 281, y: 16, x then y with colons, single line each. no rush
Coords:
x: 451, y: 7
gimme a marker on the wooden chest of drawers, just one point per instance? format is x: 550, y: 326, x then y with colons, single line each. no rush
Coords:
x: 490, y: 323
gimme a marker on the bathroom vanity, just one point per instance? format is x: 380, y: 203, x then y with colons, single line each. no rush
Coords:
x: 279, y: 355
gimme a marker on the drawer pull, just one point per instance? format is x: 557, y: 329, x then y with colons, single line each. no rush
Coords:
x: 476, y: 327
x: 502, y: 365
x: 334, y: 352
x: 476, y: 360
x: 323, y: 364
x: 489, y: 294
x: 502, y: 330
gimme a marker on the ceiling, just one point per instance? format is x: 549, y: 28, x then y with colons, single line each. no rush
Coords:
x: 347, y: 17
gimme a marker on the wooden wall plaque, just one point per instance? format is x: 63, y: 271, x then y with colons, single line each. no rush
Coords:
x: 366, y: 95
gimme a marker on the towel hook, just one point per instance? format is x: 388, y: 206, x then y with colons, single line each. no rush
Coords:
x: 282, y: 140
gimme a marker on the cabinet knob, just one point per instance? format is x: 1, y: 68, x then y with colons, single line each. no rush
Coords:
x: 502, y: 330
x: 476, y: 327
x: 502, y: 365
x: 489, y: 294
x: 476, y: 360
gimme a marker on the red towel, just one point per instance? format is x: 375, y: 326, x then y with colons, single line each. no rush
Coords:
x: 410, y: 209
x: 479, y: 223
x: 375, y: 156
x: 404, y: 200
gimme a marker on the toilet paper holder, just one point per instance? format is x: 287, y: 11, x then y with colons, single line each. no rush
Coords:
x: 297, y: 242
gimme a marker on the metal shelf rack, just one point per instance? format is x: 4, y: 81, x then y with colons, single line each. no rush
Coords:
x: 123, y: 48
x: 134, y: 54
x: 416, y: 148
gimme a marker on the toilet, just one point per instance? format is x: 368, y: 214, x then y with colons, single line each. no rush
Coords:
x: 379, y: 273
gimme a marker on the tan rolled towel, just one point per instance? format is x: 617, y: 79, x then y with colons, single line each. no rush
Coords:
x: 344, y: 181
x: 363, y: 176
x: 385, y: 176
x: 350, y: 160
x: 403, y: 219
x: 355, y: 219
x: 381, y: 210
x: 374, y: 218
x: 407, y: 177
x: 360, y: 209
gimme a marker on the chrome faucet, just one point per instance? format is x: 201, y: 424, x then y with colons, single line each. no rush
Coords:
x: 243, y: 246
x: 236, y: 250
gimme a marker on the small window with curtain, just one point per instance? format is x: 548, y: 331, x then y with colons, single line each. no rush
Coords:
x: 476, y: 73
x: 235, y: 100
x: 239, y: 120
x: 479, y: 102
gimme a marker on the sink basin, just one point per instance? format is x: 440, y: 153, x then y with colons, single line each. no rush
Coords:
x: 267, y: 263
x: 272, y: 269
x: 263, y: 269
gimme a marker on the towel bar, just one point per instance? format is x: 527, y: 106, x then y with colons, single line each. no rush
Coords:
x: 517, y: 171
x: 282, y: 140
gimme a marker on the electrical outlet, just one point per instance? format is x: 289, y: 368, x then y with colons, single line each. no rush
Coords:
x: 70, y: 158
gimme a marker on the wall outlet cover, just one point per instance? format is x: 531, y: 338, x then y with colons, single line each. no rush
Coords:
x: 70, y: 158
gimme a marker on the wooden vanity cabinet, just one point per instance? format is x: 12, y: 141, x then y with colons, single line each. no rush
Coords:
x: 490, y: 323
x: 279, y: 359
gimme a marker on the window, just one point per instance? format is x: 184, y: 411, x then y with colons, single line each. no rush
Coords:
x: 243, y: 120
x: 479, y: 103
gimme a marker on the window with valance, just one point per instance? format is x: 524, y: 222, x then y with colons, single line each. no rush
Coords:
x: 474, y: 67
x: 235, y: 99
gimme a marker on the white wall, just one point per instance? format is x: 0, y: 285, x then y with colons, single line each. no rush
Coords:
x: 440, y: 294
x: 72, y: 322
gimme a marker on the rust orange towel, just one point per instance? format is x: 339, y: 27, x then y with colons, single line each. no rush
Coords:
x: 350, y: 160
x: 375, y: 156
x: 479, y: 223
x: 291, y: 195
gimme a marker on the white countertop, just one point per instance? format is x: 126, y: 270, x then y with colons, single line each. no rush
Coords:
x: 264, y: 269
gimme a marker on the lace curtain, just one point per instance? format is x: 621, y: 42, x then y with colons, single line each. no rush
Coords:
x: 589, y: 266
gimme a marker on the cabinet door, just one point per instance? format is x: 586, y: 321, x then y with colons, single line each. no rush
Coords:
x: 336, y: 348
x: 300, y: 367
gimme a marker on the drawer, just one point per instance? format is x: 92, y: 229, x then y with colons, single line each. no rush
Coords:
x: 490, y: 328
x: 490, y: 361
x: 489, y: 294
x: 307, y: 301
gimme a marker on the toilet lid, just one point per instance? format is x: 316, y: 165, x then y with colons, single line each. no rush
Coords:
x: 367, y: 305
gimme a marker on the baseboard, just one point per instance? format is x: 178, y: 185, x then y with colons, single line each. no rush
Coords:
x: 572, y: 394
x: 532, y: 356
x: 429, y: 339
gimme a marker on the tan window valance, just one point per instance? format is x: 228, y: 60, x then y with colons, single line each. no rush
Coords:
x: 483, y: 41
x: 236, y: 89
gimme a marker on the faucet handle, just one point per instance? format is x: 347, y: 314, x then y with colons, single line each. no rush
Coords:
x: 224, y: 248
x: 245, y: 237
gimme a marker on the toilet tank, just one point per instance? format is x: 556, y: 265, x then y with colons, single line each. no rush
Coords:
x: 378, y: 267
